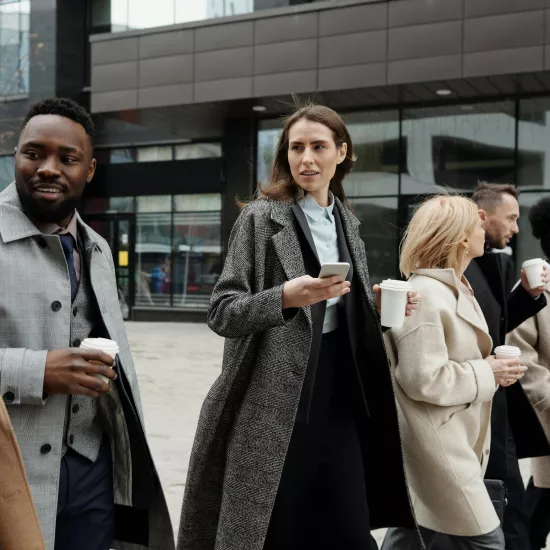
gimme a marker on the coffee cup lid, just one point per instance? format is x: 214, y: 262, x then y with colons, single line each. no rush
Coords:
x: 391, y: 284
x: 102, y: 344
x: 534, y: 261
x: 508, y: 350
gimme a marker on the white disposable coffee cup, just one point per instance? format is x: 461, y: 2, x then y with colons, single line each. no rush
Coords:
x: 533, y: 270
x: 394, y: 302
x: 507, y: 352
x: 110, y: 347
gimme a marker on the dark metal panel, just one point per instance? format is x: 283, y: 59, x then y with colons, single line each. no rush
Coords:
x: 218, y: 90
x: 501, y: 32
x: 166, y: 43
x: 351, y: 49
x: 353, y: 19
x: 114, y: 50
x: 220, y: 64
x: 355, y: 76
x: 425, y: 40
x: 285, y: 57
x: 430, y: 68
x: 288, y: 27
x: 218, y: 37
x: 416, y: 12
x: 477, y: 8
x: 161, y: 96
x: 285, y: 83
x: 161, y: 71
x: 104, y: 102
x: 516, y: 60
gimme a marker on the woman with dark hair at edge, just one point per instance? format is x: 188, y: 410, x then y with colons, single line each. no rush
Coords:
x: 297, y: 445
x: 533, y: 338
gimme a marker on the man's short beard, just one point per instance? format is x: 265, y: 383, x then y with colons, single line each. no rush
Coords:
x: 42, y: 212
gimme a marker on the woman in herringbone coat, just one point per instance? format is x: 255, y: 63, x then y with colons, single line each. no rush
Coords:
x: 297, y: 444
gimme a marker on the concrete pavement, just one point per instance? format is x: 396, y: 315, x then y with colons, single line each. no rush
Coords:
x: 176, y: 364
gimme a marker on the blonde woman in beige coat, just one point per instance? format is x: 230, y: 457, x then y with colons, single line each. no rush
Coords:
x: 533, y: 338
x: 445, y: 379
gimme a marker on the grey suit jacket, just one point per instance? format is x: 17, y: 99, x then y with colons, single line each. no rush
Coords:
x: 35, y: 309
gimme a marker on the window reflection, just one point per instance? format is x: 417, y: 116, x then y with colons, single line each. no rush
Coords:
x: 533, y: 139
x: 6, y: 171
x: 14, y: 47
x: 197, y: 257
x: 375, y: 137
x: 457, y: 146
x: 378, y: 231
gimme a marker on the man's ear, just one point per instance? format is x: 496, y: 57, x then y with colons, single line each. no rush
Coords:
x: 91, y: 170
x: 482, y: 214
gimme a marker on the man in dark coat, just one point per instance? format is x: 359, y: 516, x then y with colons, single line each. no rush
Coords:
x: 516, y: 430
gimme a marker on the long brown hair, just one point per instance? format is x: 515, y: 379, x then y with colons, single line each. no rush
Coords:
x: 282, y: 186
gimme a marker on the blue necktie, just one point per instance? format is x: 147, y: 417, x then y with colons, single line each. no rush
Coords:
x: 67, y: 245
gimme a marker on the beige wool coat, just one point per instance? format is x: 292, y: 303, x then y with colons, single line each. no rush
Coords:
x: 533, y: 338
x: 444, y: 389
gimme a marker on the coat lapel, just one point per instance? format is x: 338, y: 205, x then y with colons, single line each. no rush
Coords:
x: 301, y: 217
x: 350, y: 228
x: 287, y: 245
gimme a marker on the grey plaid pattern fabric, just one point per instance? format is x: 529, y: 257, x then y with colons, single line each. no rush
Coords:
x: 248, y: 415
x: 35, y: 316
x: 82, y: 431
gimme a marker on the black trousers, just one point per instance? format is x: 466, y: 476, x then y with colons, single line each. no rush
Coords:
x: 85, y: 509
x: 322, y: 499
x: 516, y: 515
x: 538, y: 505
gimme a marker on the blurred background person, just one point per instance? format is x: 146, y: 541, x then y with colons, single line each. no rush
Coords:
x: 445, y: 381
x: 516, y: 430
x: 298, y: 442
x: 19, y: 527
x: 533, y: 338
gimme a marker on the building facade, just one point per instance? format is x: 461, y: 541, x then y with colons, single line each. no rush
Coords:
x: 188, y: 104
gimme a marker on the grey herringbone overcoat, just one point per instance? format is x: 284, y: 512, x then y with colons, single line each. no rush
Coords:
x: 248, y: 416
x: 35, y: 310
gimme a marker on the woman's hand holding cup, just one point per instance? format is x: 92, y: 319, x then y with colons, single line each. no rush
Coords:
x: 306, y: 290
x: 506, y: 371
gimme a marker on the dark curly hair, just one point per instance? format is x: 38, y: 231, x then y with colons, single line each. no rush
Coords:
x: 63, y: 107
x: 539, y: 217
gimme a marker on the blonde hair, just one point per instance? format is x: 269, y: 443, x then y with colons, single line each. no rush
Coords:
x: 435, y: 232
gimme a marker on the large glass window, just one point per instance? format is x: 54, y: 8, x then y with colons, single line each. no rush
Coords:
x: 375, y: 137
x: 458, y: 145
x: 6, y: 171
x: 378, y: 231
x: 124, y: 15
x: 534, y: 144
x: 197, y: 249
x: 14, y: 47
x: 153, y: 251
x: 159, y: 153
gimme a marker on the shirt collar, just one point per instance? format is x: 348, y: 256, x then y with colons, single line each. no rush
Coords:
x: 54, y: 229
x: 313, y: 210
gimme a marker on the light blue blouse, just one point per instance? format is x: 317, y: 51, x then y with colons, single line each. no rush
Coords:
x: 323, y: 230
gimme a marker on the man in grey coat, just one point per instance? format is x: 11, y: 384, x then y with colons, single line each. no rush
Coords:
x: 82, y: 438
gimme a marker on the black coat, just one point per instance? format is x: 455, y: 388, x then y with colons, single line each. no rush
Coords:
x: 504, y: 311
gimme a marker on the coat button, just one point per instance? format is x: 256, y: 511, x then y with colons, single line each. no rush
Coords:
x: 46, y: 448
x: 76, y: 343
x: 71, y: 439
x: 9, y: 397
x: 56, y: 306
x: 76, y: 408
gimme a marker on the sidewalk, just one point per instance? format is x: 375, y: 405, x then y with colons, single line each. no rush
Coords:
x: 176, y: 365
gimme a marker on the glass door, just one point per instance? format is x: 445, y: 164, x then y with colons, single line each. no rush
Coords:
x: 119, y: 231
